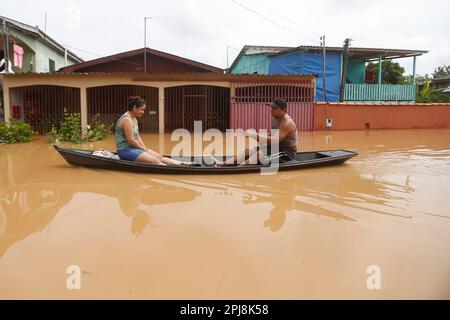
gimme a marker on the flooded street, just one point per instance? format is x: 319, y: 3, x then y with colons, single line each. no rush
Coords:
x: 306, y: 234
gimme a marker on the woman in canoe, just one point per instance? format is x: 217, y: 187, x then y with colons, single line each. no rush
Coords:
x: 128, y: 141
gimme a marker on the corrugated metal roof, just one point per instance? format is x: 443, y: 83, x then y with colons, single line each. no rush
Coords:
x: 131, y: 53
x: 136, y: 76
x: 445, y: 78
x: 360, y: 52
x: 276, y: 49
x: 250, y: 49
x: 356, y: 52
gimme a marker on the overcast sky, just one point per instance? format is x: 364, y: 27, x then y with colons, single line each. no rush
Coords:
x: 202, y: 29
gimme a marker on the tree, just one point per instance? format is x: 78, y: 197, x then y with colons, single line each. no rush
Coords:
x: 440, y: 72
x: 419, y: 79
x: 391, y: 72
x: 428, y: 94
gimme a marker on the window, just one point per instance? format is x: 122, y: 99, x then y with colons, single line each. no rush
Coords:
x: 51, y: 65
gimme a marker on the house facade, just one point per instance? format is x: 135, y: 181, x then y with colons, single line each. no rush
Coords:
x: 24, y: 48
x: 358, y: 85
x: 178, y: 91
x: 40, y: 53
x: 174, y: 100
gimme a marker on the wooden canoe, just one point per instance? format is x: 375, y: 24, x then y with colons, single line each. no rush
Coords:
x: 80, y: 157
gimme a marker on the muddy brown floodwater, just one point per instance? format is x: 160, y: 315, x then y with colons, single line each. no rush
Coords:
x: 312, y: 233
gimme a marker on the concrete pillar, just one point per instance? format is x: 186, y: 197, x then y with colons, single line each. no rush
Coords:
x: 6, y: 103
x: 162, y: 147
x: 161, y: 109
x: 232, y: 93
x: 380, y: 67
x: 380, y: 74
x: 84, y: 110
x: 414, y: 77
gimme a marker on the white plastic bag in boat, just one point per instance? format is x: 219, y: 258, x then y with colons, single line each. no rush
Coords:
x: 105, y: 154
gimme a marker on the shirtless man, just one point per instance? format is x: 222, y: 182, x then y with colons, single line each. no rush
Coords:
x: 286, y: 140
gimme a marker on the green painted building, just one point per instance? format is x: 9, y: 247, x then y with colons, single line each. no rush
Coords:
x: 41, y: 53
x: 37, y: 52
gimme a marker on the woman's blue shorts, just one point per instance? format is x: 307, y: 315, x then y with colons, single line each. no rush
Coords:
x: 129, y: 153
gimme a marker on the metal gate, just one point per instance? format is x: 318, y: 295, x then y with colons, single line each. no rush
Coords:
x: 248, y: 108
x: 43, y: 105
x: 185, y: 104
x: 111, y: 102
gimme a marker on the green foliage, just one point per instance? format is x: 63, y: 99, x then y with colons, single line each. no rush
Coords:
x: 70, y: 129
x: 17, y: 131
x: 3, y: 130
x: 53, y: 135
x: 419, y: 79
x: 97, y: 130
x: 391, y: 72
x: 441, y: 72
x: 430, y: 95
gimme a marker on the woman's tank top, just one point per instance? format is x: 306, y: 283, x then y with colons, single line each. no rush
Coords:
x: 121, y: 140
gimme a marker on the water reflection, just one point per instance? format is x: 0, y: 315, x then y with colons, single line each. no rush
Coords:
x: 30, y: 197
x: 302, y: 234
x: 336, y: 192
x: 29, y: 207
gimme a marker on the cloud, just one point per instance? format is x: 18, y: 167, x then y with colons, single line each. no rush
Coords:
x: 202, y: 29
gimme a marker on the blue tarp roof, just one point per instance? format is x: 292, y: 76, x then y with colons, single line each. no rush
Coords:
x: 301, y: 62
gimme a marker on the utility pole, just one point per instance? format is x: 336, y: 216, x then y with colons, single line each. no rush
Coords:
x: 344, y: 69
x: 6, y: 46
x: 145, y: 43
x: 324, y: 76
x: 228, y: 47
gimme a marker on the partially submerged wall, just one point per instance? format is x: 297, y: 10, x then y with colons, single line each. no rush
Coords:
x: 358, y: 116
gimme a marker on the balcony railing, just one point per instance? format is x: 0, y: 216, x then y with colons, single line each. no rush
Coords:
x: 382, y: 92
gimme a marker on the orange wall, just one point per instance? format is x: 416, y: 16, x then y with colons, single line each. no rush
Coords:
x: 353, y: 116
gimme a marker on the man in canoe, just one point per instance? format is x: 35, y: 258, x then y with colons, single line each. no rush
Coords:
x: 128, y: 141
x: 286, y: 140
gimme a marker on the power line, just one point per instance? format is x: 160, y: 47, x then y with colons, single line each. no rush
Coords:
x: 85, y: 51
x: 271, y: 21
x: 100, y: 56
x: 237, y: 49
x: 286, y: 18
